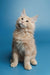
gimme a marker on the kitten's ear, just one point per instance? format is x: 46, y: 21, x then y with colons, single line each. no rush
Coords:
x: 23, y: 13
x: 34, y: 19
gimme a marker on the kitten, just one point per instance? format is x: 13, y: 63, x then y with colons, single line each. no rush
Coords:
x: 23, y: 46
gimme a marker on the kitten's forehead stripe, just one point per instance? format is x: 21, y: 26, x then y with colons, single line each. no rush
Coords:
x: 26, y: 17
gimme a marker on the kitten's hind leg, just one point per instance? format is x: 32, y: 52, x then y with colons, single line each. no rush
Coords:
x: 15, y: 60
x: 33, y: 61
x: 11, y: 60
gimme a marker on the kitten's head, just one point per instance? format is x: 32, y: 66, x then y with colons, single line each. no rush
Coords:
x: 25, y: 22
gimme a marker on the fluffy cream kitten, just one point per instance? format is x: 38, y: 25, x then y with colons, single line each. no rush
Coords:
x: 23, y: 46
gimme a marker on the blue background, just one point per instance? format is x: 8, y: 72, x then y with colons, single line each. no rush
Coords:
x: 10, y: 10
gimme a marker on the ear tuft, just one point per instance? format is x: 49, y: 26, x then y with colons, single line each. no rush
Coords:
x: 23, y: 13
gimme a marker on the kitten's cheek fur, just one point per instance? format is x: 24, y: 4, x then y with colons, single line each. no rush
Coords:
x: 19, y: 21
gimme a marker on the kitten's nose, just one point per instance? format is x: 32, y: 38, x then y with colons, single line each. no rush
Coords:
x: 22, y: 22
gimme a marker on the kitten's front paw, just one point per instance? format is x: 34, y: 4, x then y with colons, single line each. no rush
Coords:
x: 28, y: 67
x: 13, y: 64
x: 33, y: 62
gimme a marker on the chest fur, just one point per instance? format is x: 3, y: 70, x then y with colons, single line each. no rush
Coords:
x: 20, y: 47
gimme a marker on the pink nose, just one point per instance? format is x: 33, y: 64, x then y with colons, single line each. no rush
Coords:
x: 22, y: 22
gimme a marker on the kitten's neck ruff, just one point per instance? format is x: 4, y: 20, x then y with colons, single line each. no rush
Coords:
x: 23, y: 34
x: 25, y: 30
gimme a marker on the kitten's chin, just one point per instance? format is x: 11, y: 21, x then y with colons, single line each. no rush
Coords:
x: 21, y: 26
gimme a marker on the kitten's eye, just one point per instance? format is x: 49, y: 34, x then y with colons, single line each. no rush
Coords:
x: 27, y: 21
x: 22, y: 18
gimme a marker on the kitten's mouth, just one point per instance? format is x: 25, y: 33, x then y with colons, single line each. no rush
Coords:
x: 20, y: 25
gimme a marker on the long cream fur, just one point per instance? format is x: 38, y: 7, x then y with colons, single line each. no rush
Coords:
x: 23, y: 46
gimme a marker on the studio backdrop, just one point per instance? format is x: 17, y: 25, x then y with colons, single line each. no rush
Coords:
x: 10, y: 10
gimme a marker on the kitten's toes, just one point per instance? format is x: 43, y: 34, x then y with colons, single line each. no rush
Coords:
x: 33, y: 62
x: 28, y: 67
x: 13, y: 64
